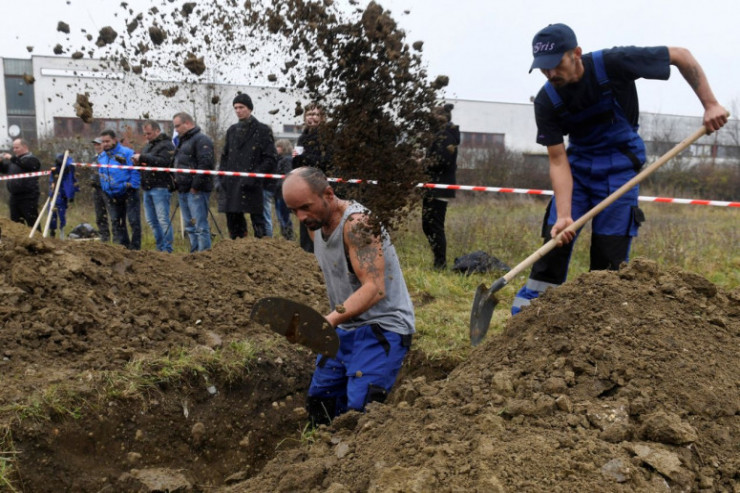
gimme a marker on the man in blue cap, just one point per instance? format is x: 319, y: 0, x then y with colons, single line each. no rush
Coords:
x: 592, y: 98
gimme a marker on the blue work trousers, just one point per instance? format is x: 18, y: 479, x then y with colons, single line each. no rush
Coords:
x: 366, y: 358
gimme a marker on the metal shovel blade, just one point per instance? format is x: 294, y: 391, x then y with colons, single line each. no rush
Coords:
x: 484, y: 303
x: 299, y: 323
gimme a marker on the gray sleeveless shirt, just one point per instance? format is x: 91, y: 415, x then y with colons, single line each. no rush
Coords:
x: 394, y: 312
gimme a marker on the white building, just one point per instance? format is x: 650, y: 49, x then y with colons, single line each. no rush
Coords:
x: 44, y: 106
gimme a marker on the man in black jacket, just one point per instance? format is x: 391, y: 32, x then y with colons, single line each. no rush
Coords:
x: 441, y: 169
x: 24, y: 192
x: 249, y: 147
x: 194, y: 151
x: 157, y: 185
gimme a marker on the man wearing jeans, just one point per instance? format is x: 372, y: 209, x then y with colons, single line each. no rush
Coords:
x: 157, y: 186
x: 121, y: 188
x: 194, y: 151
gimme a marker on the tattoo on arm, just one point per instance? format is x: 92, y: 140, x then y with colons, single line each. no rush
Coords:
x: 366, y: 245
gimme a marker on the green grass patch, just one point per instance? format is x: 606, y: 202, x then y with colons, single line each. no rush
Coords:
x: 7, y: 461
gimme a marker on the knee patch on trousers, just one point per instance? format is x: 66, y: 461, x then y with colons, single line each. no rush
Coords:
x: 375, y: 393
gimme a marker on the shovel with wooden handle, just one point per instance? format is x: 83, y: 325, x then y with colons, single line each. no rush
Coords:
x: 485, y: 301
x: 299, y: 323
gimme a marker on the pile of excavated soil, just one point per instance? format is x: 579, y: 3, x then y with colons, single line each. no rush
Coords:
x: 74, y: 305
x: 75, y: 314
x: 625, y: 381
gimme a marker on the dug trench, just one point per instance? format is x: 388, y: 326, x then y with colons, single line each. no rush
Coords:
x: 136, y: 371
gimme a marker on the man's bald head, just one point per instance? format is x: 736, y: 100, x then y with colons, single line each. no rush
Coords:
x: 314, y: 178
x: 307, y: 193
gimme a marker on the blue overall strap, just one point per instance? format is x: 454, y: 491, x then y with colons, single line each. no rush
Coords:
x: 600, y: 69
x: 556, y: 100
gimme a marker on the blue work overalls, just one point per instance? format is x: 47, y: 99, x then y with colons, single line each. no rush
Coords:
x: 604, y: 152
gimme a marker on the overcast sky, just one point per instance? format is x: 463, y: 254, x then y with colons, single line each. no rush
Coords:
x: 484, y: 46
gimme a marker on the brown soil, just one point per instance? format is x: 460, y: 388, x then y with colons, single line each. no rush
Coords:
x: 74, y: 313
x: 614, y: 382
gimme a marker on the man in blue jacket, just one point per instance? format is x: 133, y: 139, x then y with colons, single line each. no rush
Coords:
x: 121, y: 188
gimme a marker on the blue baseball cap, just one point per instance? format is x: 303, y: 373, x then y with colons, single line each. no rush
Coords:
x: 550, y: 44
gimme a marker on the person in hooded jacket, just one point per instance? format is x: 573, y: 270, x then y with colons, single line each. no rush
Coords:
x: 157, y: 185
x: 194, y: 151
x: 68, y: 189
x: 121, y: 188
x: 249, y: 147
x: 442, y: 167
x: 24, y: 192
x: 285, y: 165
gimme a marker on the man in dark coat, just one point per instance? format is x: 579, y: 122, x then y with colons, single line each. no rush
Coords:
x: 194, y: 151
x: 157, y: 185
x: 249, y: 147
x: 24, y: 192
x: 441, y: 169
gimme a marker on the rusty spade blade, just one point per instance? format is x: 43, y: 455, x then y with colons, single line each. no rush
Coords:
x: 299, y: 323
x: 484, y: 303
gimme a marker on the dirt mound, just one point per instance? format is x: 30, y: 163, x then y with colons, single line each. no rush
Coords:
x: 621, y: 381
x: 79, y: 317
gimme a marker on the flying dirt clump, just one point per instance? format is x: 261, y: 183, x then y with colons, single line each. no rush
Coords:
x: 29, y: 79
x: 195, y: 64
x: 170, y: 91
x: 83, y: 108
x: 157, y: 35
x: 63, y: 27
x: 356, y: 63
x: 106, y: 36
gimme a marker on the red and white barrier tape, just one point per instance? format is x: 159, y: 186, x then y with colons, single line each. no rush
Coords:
x: 24, y: 175
x: 472, y: 188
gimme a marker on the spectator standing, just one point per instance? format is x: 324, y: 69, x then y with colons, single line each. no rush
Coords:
x: 157, y: 186
x: 101, y: 208
x: 24, y: 192
x: 194, y: 151
x: 121, y: 188
x: 371, y: 309
x: 592, y: 98
x: 285, y: 165
x: 311, y: 151
x: 249, y: 147
x: 442, y: 167
x: 68, y: 189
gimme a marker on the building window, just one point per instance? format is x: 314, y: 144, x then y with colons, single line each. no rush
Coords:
x: 19, y: 96
x: 481, y: 140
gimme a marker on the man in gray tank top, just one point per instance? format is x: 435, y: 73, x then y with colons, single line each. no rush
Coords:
x: 370, y: 306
